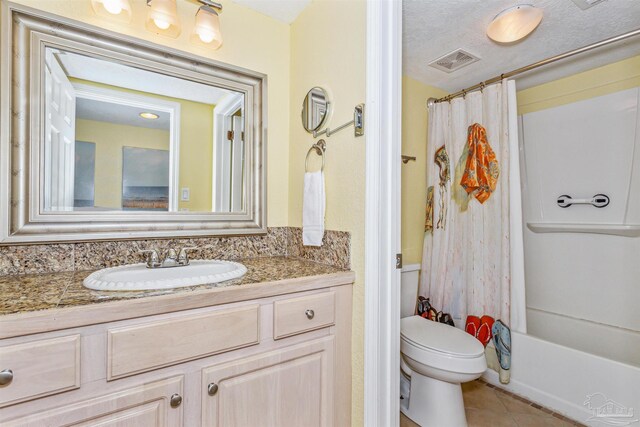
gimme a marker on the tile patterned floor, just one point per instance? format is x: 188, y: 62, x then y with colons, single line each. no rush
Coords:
x: 488, y: 406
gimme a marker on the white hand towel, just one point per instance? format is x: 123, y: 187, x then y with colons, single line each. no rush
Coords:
x: 313, y: 206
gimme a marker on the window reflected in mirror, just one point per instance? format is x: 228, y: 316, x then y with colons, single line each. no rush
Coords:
x: 119, y: 138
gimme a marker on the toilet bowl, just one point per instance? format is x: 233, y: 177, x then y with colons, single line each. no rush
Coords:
x: 438, y: 358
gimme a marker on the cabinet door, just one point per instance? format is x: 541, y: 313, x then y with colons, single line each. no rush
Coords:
x: 292, y: 386
x: 148, y: 405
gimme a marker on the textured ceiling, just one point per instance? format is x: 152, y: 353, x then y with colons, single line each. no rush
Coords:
x: 432, y: 28
x: 283, y: 10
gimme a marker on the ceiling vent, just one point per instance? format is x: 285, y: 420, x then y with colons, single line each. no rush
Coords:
x: 586, y: 4
x: 453, y: 61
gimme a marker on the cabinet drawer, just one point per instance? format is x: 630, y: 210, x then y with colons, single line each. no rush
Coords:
x: 297, y: 315
x: 135, y: 349
x: 40, y: 368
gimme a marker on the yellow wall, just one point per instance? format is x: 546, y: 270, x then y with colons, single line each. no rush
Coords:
x: 251, y: 40
x: 414, y: 174
x: 328, y: 50
x: 109, y: 139
x: 588, y: 84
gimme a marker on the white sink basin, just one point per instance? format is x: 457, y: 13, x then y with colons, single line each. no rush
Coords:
x: 137, y: 277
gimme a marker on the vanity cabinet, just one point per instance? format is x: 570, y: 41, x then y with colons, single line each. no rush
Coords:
x: 146, y: 405
x: 281, y: 360
x: 287, y: 387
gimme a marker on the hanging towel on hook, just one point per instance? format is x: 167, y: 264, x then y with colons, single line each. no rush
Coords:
x: 313, y: 207
x: 481, y: 172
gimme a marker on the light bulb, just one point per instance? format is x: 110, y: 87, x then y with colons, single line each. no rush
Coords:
x: 206, y: 36
x: 161, y: 23
x: 207, y: 27
x: 112, y: 6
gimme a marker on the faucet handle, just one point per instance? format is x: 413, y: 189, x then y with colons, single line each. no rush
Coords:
x: 151, y: 257
x: 183, y: 257
x: 171, y: 254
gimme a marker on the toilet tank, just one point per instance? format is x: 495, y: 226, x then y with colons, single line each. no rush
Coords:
x: 409, y: 289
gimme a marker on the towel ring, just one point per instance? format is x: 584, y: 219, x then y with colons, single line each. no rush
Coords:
x: 320, y: 148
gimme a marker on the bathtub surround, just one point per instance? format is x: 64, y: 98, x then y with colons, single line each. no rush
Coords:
x: 279, y: 241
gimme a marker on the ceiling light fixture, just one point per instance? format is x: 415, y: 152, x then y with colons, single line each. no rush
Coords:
x: 514, y: 23
x: 163, y: 17
x: 149, y: 116
x: 113, y: 9
x: 207, y: 27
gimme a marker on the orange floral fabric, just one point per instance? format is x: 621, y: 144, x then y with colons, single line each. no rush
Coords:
x: 481, y: 172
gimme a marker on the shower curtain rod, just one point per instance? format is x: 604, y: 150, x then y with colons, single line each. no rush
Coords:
x: 536, y: 65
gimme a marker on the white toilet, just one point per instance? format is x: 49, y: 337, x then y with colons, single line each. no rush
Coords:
x: 436, y: 358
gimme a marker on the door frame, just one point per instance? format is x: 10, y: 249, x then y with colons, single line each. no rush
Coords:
x: 382, y: 218
x: 221, y: 112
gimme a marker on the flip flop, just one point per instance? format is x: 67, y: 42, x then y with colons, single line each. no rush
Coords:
x: 447, y: 319
x: 472, y: 325
x: 502, y: 341
x: 423, y: 305
x: 432, y: 314
x: 484, y: 332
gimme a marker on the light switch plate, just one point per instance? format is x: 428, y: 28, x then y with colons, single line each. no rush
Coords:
x: 184, y: 194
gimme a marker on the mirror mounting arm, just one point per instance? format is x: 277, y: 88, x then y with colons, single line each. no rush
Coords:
x: 357, y: 123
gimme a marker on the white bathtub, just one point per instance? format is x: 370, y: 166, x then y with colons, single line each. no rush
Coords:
x: 561, y: 378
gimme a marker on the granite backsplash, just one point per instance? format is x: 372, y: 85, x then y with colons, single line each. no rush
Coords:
x: 279, y: 241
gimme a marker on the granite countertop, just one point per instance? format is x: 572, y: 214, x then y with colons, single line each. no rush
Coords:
x: 41, y: 292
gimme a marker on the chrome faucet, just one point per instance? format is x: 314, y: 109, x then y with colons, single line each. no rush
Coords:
x: 170, y: 259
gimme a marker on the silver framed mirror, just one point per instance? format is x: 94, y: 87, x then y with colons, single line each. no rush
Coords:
x: 111, y: 137
x: 315, y: 109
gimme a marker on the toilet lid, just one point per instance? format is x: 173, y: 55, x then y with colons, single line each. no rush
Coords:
x: 439, y: 337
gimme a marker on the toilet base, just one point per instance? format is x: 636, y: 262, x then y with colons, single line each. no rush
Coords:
x: 435, y: 403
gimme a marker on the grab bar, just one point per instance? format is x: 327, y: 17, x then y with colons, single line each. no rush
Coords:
x: 598, y: 201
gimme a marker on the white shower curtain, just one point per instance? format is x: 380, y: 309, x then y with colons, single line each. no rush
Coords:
x: 475, y: 264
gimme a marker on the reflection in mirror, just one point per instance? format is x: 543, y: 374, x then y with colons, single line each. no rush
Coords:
x: 119, y: 138
x: 315, y: 109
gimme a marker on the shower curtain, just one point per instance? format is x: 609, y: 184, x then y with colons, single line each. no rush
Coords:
x: 473, y: 261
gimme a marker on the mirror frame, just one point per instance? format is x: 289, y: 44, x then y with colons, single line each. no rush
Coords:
x: 26, y: 33
x: 325, y: 118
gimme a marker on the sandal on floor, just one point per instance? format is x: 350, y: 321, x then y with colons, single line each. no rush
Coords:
x: 472, y: 325
x: 423, y: 305
x: 484, y: 331
x: 502, y: 341
x: 447, y: 319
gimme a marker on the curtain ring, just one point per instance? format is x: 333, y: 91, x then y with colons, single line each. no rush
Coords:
x: 319, y: 148
x: 482, y: 86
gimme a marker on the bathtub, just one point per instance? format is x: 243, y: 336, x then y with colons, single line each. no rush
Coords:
x: 562, y: 379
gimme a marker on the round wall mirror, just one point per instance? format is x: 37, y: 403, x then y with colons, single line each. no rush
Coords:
x: 315, y: 109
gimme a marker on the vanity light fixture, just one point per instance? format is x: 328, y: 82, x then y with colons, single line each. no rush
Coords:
x: 514, y: 23
x: 113, y: 9
x: 207, y: 27
x: 149, y: 116
x: 163, y: 17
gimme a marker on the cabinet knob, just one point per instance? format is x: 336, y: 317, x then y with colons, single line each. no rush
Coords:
x: 212, y: 389
x: 309, y: 314
x: 6, y: 376
x: 175, y: 400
